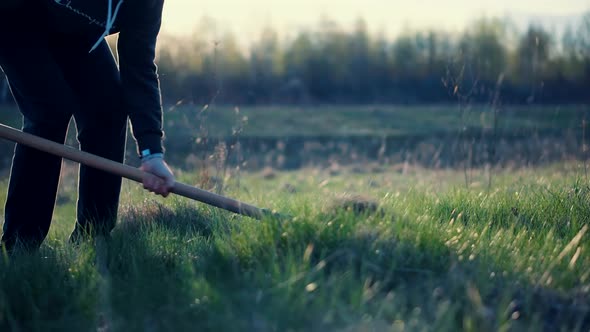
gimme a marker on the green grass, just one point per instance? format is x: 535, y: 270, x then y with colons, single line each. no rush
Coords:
x: 435, y: 255
x: 378, y: 120
x: 187, y: 122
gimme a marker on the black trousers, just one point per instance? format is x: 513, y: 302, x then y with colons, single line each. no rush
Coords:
x: 53, y: 78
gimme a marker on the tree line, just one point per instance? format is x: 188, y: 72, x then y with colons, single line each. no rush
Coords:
x: 489, y: 60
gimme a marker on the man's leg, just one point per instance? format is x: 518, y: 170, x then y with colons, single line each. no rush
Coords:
x: 32, y: 188
x: 44, y: 100
x: 102, y: 129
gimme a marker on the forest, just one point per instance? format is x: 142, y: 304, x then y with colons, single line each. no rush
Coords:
x: 326, y: 64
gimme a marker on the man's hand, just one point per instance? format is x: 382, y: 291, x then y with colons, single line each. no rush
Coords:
x: 158, y: 178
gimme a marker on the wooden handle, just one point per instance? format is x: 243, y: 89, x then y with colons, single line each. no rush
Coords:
x: 127, y: 171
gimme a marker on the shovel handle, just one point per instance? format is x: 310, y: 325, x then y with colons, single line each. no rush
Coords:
x: 127, y: 171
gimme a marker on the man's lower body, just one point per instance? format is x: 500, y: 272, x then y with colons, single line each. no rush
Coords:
x: 54, y: 78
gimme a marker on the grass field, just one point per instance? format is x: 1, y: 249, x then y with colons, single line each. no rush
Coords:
x: 378, y: 120
x: 187, y: 122
x: 382, y: 250
x: 314, y: 134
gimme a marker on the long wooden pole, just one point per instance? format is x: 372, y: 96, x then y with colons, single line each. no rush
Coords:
x: 128, y: 172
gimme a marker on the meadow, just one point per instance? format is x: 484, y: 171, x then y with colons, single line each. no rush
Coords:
x: 308, y: 135
x: 366, y: 247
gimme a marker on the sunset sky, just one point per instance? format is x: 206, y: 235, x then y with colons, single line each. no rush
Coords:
x: 246, y: 18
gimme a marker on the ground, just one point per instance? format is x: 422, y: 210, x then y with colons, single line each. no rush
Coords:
x: 420, y: 250
x: 367, y: 246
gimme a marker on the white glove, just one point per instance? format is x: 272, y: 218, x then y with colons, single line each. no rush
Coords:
x: 158, y: 177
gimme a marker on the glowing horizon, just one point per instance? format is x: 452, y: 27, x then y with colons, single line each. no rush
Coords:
x: 246, y: 20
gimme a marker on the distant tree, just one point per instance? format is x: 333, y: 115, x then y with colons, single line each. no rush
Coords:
x: 185, y: 68
x: 406, y: 57
x: 230, y: 69
x: 329, y: 64
x: 567, y: 64
x: 380, y: 69
x: 266, y: 67
x: 298, y: 74
x: 361, y: 76
x: 482, y: 50
x: 532, y: 59
x: 533, y: 51
x: 583, y: 43
x: 432, y: 51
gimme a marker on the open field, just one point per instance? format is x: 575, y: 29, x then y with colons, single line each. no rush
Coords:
x: 438, y: 136
x: 288, y: 137
x: 378, y: 120
x: 436, y: 222
x: 418, y: 250
x: 351, y: 120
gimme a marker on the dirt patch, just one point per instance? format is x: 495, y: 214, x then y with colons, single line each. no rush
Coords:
x: 355, y: 203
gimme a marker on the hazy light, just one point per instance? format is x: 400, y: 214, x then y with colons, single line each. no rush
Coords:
x: 247, y: 18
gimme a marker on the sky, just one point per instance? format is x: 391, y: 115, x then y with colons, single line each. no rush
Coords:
x: 246, y: 18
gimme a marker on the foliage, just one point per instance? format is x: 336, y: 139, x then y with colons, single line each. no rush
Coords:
x: 330, y: 64
x: 429, y: 256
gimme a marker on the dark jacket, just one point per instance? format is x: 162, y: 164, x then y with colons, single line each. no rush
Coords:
x: 138, y: 24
